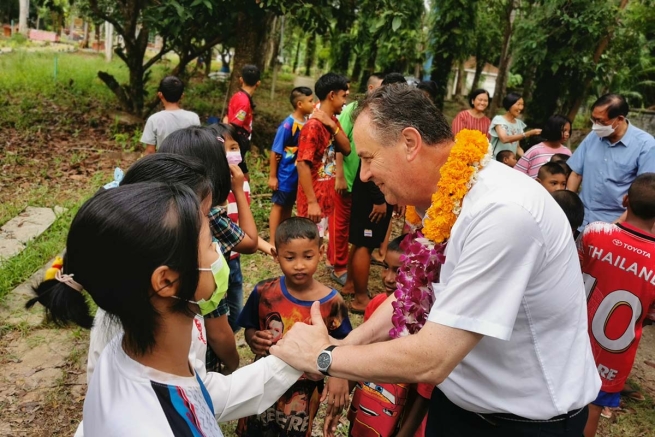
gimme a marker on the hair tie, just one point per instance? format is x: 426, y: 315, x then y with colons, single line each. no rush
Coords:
x: 68, y: 280
x: 221, y: 139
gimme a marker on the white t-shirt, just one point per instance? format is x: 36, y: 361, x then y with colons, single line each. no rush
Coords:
x: 512, y: 274
x: 164, y: 123
x: 248, y: 391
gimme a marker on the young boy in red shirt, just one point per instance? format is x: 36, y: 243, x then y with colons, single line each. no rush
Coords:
x: 240, y: 110
x: 319, y: 140
x: 619, y: 276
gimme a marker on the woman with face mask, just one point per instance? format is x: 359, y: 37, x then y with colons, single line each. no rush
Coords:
x: 508, y: 130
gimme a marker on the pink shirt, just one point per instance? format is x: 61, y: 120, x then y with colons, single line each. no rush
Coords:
x: 536, y: 156
x: 464, y: 120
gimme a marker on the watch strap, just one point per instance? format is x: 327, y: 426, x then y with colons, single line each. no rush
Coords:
x: 327, y: 349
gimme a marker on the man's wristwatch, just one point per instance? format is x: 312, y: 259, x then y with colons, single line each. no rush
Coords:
x: 324, y: 360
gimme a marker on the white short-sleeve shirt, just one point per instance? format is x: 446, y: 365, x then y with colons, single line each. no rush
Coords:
x: 163, y: 123
x: 512, y: 274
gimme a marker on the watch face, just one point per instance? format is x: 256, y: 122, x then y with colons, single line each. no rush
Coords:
x: 323, y: 360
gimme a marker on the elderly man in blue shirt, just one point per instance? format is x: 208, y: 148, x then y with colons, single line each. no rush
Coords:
x: 609, y: 159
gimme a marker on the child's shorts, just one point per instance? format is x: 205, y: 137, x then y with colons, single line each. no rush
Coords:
x: 284, y: 198
x: 606, y: 399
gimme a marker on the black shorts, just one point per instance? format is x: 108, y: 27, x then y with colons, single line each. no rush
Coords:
x: 364, y: 233
x: 284, y: 198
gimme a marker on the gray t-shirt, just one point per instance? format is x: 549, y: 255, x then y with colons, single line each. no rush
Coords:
x: 515, y: 128
x: 164, y: 123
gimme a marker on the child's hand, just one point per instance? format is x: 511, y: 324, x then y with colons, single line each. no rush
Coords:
x: 330, y: 424
x: 337, y: 393
x: 325, y: 119
x: 237, y: 178
x: 260, y: 342
x: 314, y: 212
x: 273, y: 183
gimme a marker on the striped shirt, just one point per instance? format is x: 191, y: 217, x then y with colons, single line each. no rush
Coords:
x: 536, y: 156
x: 464, y: 120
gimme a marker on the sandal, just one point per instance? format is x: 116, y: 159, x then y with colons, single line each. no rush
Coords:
x: 341, y: 280
x: 606, y: 413
x: 352, y: 310
x: 632, y: 394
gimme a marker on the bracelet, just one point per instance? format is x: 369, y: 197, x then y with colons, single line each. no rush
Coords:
x: 336, y: 132
x: 524, y: 135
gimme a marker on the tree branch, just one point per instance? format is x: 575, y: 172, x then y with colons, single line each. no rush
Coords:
x: 164, y: 49
x: 93, y: 4
x: 117, y: 89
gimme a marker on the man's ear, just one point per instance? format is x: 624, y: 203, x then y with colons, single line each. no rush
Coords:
x: 164, y: 281
x: 412, y: 142
x: 626, y: 201
x: 259, y: 82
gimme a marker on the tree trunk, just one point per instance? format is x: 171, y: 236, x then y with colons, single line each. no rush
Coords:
x: 264, y: 32
x: 85, y: 38
x: 505, y: 59
x: 461, y: 80
x: 370, y: 67
x: 276, y: 42
x: 208, y: 62
x: 479, y: 67
x: 357, y: 69
x: 600, y: 49
x: 296, y: 59
x: 23, y: 15
x: 310, y: 54
x: 249, y: 30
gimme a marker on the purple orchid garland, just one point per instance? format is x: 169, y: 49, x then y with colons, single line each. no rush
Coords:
x: 421, y: 264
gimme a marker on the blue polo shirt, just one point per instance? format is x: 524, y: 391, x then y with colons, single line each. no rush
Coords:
x: 607, y: 171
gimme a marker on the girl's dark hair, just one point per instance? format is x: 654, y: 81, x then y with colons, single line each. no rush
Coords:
x: 201, y: 143
x: 172, y: 169
x: 116, y: 241
x: 222, y: 129
x: 554, y: 127
x: 476, y: 93
x: 510, y: 99
x: 430, y: 87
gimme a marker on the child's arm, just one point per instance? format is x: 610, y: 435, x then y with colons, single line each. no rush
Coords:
x: 340, y: 184
x: 264, y: 246
x: 314, y: 212
x: 149, y: 138
x: 337, y: 393
x: 246, y: 220
x: 272, y: 177
x: 259, y: 341
x: 221, y: 339
x: 341, y: 141
x: 413, y: 418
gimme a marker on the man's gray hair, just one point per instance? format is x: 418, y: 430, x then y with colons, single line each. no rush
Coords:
x: 395, y: 107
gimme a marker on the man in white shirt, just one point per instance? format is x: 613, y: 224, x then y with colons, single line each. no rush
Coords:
x: 172, y: 118
x: 506, y: 341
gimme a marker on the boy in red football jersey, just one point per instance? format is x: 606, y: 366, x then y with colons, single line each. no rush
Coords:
x: 619, y: 274
x: 320, y: 138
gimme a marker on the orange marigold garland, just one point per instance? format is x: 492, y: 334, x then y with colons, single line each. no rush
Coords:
x: 424, y: 250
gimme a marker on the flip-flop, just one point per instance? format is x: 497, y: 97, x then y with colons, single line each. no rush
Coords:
x: 632, y: 394
x: 606, y: 412
x: 352, y: 310
x: 341, y: 280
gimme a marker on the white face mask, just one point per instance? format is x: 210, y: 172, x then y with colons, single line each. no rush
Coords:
x: 602, y: 131
x: 234, y: 157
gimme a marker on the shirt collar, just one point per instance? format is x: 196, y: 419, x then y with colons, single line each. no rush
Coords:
x: 627, y: 136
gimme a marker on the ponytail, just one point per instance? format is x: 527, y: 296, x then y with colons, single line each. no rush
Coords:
x: 62, y: 298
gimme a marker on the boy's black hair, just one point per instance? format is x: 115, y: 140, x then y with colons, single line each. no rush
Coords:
x: 394, y: 245
x: 476, y: 93
x: 298, y: 93
x: 171, y: 88
x: 330, y: 82
x: 559, y: 157
x: 201, y: 143
x: 571, y: 205
x: 550, y: 168
x: 250, y: 74
x: 170, y: 169
x: 554, y: 127
x: 116, y: 241
x: 377, y: 75
x: 430, y: 87
x: 510, y: 99
x: 616, y: 105
x: 393, y: 78
x: 503, y: 155
x: 641, y: 196
x: 293, y: 228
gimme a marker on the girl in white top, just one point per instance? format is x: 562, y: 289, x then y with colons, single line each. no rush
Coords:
x: 507, y: 130
x: 144, y: 253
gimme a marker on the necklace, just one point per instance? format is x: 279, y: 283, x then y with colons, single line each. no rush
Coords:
x: 424, y: 247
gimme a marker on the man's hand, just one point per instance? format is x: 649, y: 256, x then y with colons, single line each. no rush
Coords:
x: 302, y: 344
x: 378, y: 213
x: 261, y: 342
x: 340, y: 185
x: 399, y: 211
x: 273, y: 183
x: 314, y: 212
x: 327, y: 121
x: 237, y: 178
